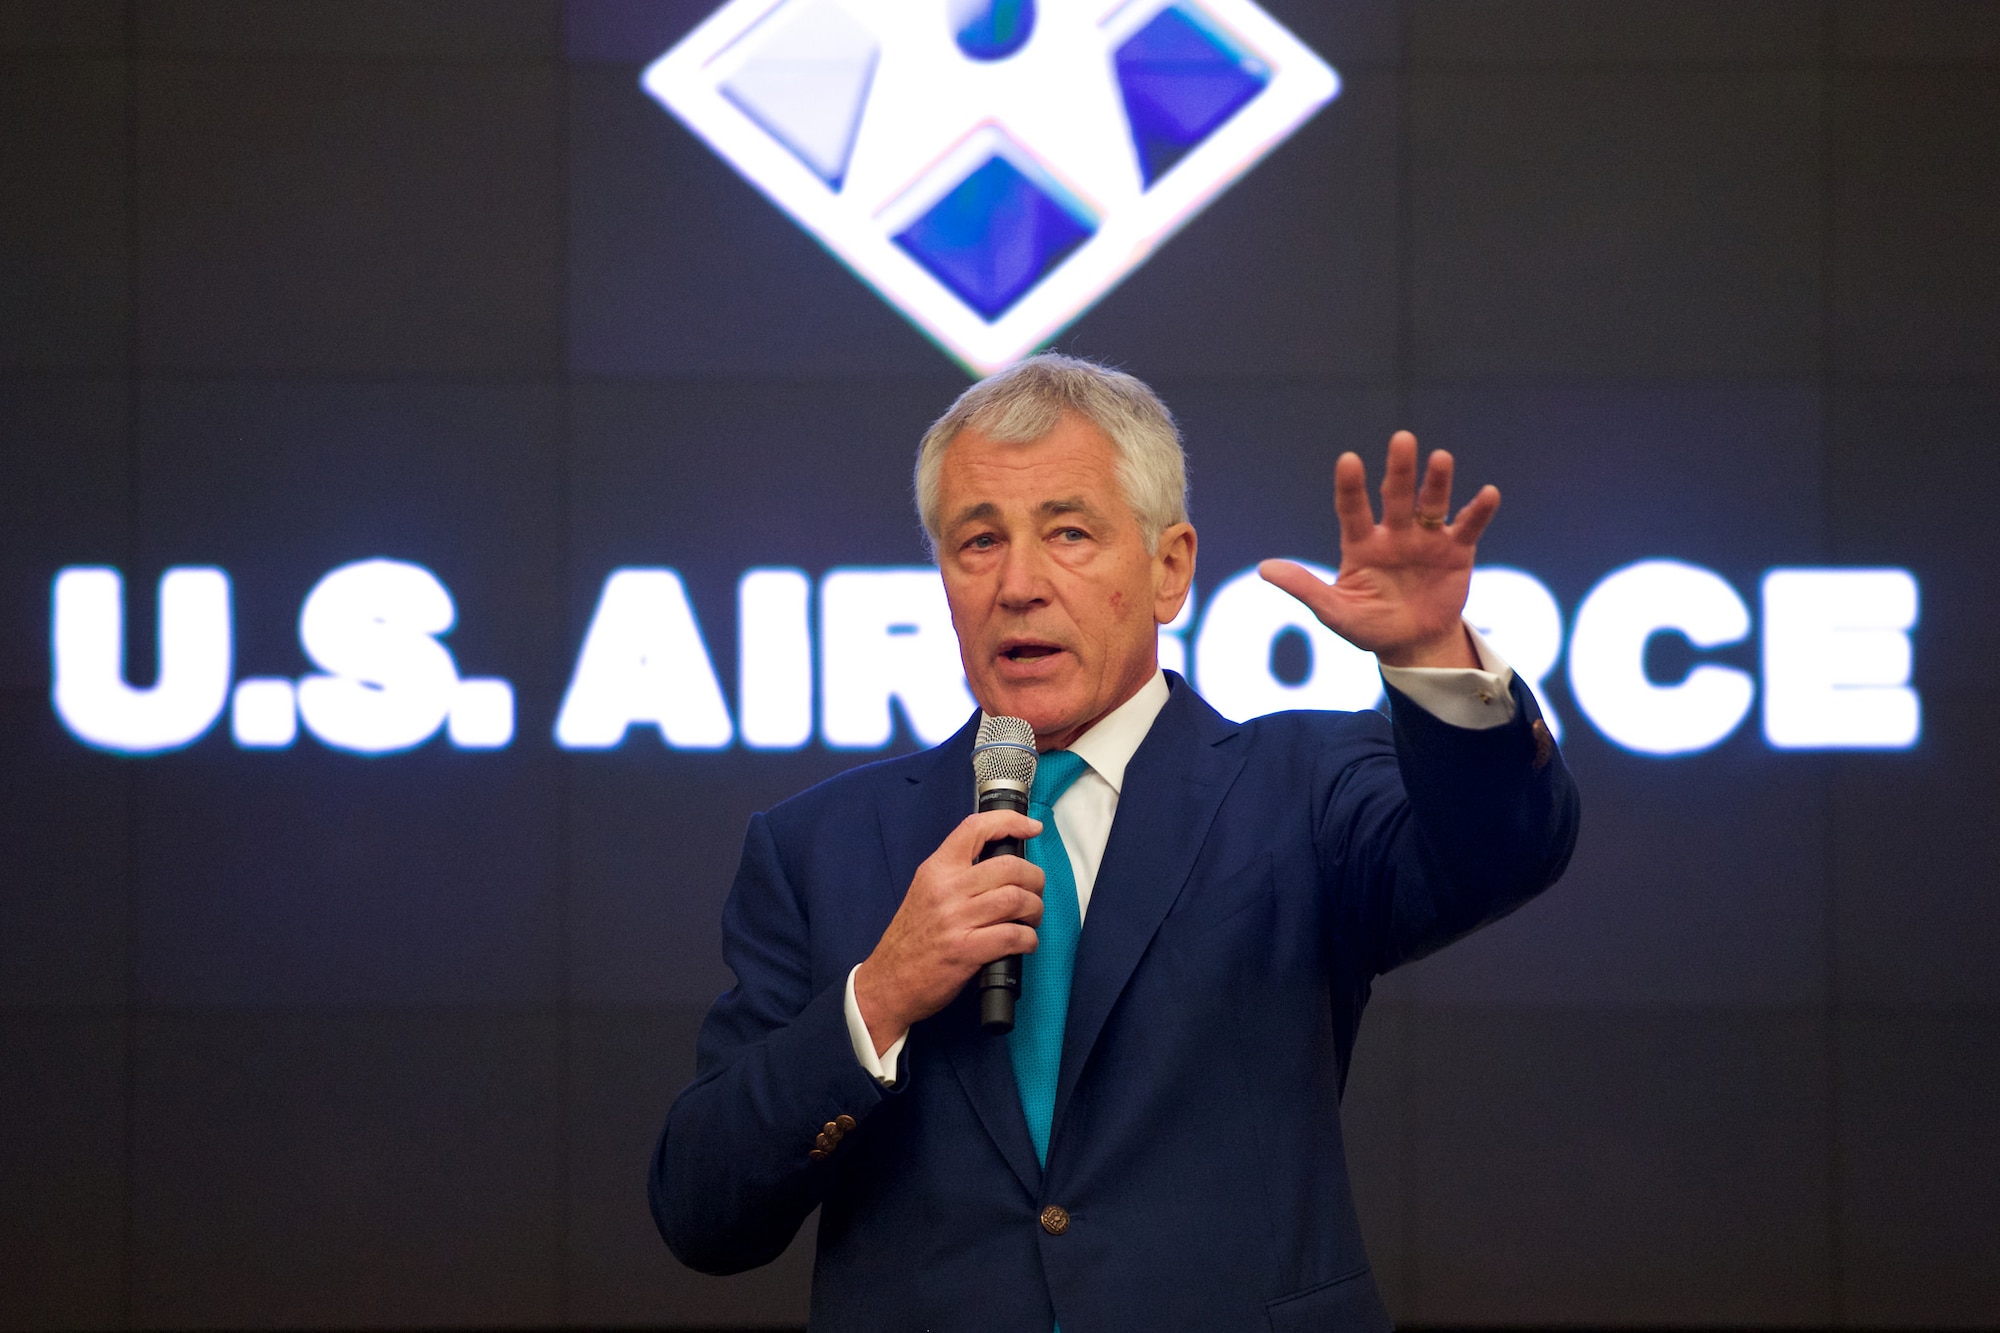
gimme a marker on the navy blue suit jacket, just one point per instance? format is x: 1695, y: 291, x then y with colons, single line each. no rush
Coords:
x: 1257, y: 878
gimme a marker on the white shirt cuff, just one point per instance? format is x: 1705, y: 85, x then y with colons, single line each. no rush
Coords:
x: 882, y: 1068
x: 1462, y: 696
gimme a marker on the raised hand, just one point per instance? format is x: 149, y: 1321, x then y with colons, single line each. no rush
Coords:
x: 1403, y: 580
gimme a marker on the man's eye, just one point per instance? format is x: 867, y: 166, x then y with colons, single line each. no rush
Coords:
x: 983, y: 542
x: 1072, y: 534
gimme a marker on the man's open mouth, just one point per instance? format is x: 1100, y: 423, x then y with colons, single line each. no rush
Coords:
x: 1028, y: 652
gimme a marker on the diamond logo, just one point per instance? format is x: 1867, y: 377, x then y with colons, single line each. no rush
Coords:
x: 991, y: 167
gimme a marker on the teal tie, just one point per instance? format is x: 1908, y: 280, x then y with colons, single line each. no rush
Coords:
x: 1036, y: 1041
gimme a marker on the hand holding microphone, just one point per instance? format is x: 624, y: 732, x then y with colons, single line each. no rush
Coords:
x: 967, y: 906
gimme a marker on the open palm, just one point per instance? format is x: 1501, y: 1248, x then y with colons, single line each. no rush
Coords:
x: 1403, y: 580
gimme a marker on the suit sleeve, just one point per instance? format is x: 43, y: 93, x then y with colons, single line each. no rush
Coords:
x: 1445, y: 830
x: 734, y: 1174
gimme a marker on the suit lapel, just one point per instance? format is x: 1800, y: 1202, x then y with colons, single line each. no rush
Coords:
x: 914, y: 821
x: 1173, y: 787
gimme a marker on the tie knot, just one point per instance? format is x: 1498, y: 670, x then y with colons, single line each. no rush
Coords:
x: 1054, y: 772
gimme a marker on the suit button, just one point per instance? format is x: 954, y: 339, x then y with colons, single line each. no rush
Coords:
x: 1055, y: 1219
x: 1545, y: 745
x: 822, y: 1142
x: 818, y: 1154
x: 844, y: 1123
x: 832, y: 1131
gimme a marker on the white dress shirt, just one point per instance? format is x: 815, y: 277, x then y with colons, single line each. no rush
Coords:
x: 1463, y: 696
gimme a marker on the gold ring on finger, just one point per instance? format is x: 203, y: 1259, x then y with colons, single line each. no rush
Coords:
x: 1428, y: 521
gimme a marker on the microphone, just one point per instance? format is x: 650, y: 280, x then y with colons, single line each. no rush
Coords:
x: 1003, y: 771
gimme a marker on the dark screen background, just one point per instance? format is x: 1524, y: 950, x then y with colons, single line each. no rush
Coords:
x: 305, y: 1039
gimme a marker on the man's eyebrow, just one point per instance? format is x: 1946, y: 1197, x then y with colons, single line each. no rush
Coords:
x: 1074, y: 504
x: 984, y: 509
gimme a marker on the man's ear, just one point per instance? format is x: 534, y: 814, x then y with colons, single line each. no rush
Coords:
x: 1173, y: 571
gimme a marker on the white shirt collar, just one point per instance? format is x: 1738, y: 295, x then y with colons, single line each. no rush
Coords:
x: 1110, y: 744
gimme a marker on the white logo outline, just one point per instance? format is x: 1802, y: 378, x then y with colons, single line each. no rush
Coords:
x: 921, y: 98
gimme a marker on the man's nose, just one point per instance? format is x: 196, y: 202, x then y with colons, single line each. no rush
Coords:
x: 1023, y: 578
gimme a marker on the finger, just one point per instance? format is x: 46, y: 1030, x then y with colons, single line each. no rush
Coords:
x: 1434, y: 497
x: 1399, y: 481
x: 1011, y: 903
x: 1350, y: 498
x: 1319, y: 597
x: 1297, y: 580
x: 1003, y: 872
x: 975, y: 831
x: 1001, y: 941
x: 1478, y: 512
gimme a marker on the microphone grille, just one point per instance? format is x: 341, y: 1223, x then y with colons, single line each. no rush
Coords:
x: 1004, y: 750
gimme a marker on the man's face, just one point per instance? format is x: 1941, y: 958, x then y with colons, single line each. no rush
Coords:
x: 1056, y: 602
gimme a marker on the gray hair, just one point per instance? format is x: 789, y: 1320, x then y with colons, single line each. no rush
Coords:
x: 1024, y: 402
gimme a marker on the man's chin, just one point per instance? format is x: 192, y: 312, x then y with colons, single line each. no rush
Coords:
x: 1049, y: 707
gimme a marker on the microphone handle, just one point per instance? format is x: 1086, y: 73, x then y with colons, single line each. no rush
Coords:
x: 1000, y: 980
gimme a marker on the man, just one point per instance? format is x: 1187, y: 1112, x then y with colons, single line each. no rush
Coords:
x: 1203, y: 907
